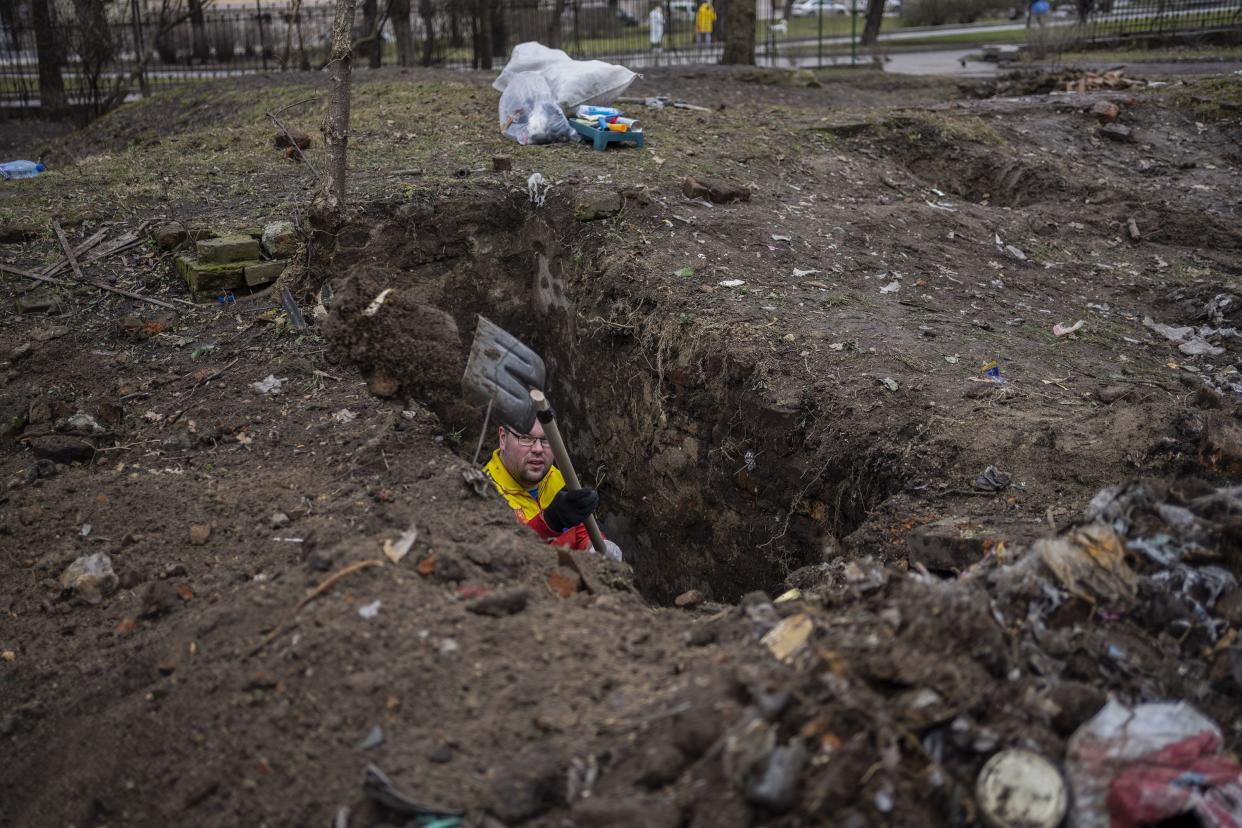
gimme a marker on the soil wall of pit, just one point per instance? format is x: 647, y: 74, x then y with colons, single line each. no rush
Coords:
x: 704, y: 483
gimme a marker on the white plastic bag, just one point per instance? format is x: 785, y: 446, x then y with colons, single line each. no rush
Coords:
x: 573, y: 82
x: 530, y: 115
x: 1124, y: 763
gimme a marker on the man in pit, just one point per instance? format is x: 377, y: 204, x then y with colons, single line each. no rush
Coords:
x: 521, y: 469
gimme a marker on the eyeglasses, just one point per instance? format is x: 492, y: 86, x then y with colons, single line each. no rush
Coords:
x: 527, y: 441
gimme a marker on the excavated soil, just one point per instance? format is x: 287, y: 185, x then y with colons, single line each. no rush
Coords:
x: 819, y: 426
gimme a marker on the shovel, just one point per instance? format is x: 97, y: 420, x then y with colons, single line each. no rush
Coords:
x: 508, y: 377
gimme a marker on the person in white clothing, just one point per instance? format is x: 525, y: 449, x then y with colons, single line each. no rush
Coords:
x: 655, y: 23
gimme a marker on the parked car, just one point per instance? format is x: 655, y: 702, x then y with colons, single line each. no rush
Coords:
x: 812, y: 8
x: 683, y: 8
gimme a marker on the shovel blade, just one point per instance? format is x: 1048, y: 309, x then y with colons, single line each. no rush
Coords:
x: 501, y: 370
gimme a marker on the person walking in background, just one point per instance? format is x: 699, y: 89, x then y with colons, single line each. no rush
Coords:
x: 655, y: 26
x: 704, y: 21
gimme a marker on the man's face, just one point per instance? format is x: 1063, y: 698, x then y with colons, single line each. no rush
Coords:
x: 527, y: 463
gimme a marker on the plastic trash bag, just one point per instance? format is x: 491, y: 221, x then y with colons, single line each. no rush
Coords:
x: 1139, y: 767
x: 573, y: 82
x: 530, y: 115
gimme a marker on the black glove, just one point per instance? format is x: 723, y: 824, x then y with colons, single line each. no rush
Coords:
x: 569, y: 508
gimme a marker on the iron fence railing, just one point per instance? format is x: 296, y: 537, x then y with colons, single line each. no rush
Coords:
x: 131, y: 49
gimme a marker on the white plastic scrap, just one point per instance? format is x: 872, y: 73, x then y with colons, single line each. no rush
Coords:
x: 270, y: 385
x: 1189, y: 342
x: 369, y: 610
x: 377, y: 303
x: 398, y: 549
x: 537, y: 189
x: 891, y: 287
x: 731, y: 283
x: 344, y: 416
x: 798, y: 272
x: 1065, y: 330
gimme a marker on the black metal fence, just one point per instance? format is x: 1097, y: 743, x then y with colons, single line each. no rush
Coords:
x: 105, y: 53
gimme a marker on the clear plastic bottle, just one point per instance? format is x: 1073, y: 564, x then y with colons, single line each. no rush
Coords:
x: 20, y: 169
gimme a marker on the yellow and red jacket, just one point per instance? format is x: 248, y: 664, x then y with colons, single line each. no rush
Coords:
x: 528, y: 505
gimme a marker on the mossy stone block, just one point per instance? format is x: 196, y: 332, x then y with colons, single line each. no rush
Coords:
x: 206, y: 279
x: 228, y: 249
x: 260, y: 273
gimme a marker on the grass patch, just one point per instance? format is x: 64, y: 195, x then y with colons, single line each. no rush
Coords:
x: 1215, y: 98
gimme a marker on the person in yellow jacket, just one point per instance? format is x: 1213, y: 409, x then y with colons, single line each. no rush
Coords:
x: 704, y: 21
x: 521, y: 470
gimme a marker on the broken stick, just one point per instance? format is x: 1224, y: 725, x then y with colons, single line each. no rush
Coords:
x: 64, y: 244
x: 314, y: 593
x: 120, y: 292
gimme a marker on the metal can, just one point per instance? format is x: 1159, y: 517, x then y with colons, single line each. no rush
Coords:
x: 1020, y: 789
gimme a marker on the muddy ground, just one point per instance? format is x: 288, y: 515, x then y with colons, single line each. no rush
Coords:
x: 822, y: 426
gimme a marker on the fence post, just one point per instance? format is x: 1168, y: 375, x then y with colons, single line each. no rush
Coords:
x: 258, y: 6
x: 139, y: 50
x: 820, y: 37
x: 853, y: 32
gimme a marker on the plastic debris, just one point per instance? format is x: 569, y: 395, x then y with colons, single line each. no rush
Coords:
x: 993, y: 480
x: 889, y: 383
x: 891, y: 287
x: 537, y: 189
x: 529, y: 113
x: 1020, y: 789
x: 1015, y: 252
x: 370, y: 610
x: 684, y: 272
x: 377, y: 303
x: 379, y: 788
x: 952, y: 360
x: 398, y: 549
x: 373, y: 739
x: 344, y: 416
x: 1142, y: 766
x: 798, y: 272
x: 992, y: 371
x: 776, y: 787
x: 1090, y: 563
x: 270, y: 385
x: 1066, y: 330
x: 732, y: 283
x: 788, y: 637
x: 1189, y: 342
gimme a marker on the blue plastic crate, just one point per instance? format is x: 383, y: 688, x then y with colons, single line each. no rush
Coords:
x: 601, y: 138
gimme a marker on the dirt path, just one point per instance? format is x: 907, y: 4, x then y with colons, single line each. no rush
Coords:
x: 785, y: 391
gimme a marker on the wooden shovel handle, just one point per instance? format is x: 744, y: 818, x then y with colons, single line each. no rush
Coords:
x: 561, y: 455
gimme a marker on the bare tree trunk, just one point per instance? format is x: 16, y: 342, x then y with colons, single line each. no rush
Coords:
x: 483, y: 34
x: 500, y: 32
x: 330, y: 201
x: 51, y: 82
x: 455, y: 37
x: 554, y: 25
x: 295, y: 11
x: 789, y: 4
x: 371, y: 44
x: 427, y: 12
x: 875, y: 17
x: 739, y: 26
x: 399, y: 11
x: 198, y: 32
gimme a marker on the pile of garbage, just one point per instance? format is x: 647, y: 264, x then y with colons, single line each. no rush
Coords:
x: 1080, y: 674
x: 539, y: 83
